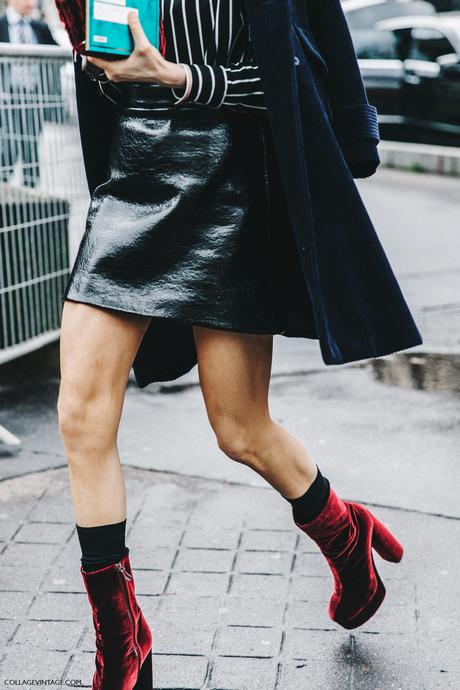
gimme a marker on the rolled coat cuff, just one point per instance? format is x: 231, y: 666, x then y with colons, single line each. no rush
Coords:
x: 356, y: 122
x: 362, y: 157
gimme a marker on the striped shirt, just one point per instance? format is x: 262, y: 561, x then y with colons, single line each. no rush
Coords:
x: 212, y: 39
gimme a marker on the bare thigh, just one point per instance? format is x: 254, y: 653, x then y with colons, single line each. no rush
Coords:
x: 97, y: 348
x: 234, y: 371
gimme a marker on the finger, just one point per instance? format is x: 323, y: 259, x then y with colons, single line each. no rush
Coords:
x: 99, y: 62
x: 140, y: 39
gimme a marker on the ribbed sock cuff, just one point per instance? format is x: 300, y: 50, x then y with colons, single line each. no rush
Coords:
x: 102, y: 545
x: 308, y: 506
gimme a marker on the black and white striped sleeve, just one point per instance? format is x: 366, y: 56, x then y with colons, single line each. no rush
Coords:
x: 237, y: 86
x: 244, y: 87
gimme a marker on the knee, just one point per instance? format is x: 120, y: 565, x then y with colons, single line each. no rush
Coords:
x: 236, y: 438
x: 72, y: 412
x: 81, y: 412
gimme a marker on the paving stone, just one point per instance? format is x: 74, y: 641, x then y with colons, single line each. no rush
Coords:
x: 149, y: 605
x: 26, y: 578
x: 165, y: 537
x: 438, y: 680
x: 197, y: 612
x: 211, y: 538
x: 20, y: 555
x: 81, y: 669
x: 244, y: 641
x: 57, y: 636
x: 265, y: 586
x: 71, y: 552
x: 439, y: 651
x: 313, y: 588
x: 212, y: 560
x: 315, y: 644
x: 176, y: 639
x: 400, y: 592
x: 385, y: 661
x: 45, y: 532
x: 305, y: 544
x: 56, y: 606
x: 144, y: 556
x: 435, y: 619
x: 184, y: 672
x: 270, y: 540
x: 63, y: 576
x: 314, y: 674
x: 38, y: 664
x: 160, y: 516
x: 204, y: 584
x: 53, y: 509
x: 88, y: 639
x: 233, y: 673
x: 7, y: 629
x: 237, y: 610
x: 392, y: 619
x: 15, y: 604
x: 310, y: 564
x: 217, y: 503
x: 271, y: 562
x: 308, y: 614
x: 171, y: 493
x: 266, y: 510
x: 150, y: 581
x: 7, y: 529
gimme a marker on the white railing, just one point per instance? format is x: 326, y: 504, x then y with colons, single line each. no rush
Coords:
x: 43, y: 193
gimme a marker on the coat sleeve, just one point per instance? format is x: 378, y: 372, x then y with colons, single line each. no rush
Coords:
x: 355, y: 120
x: 96, y: 119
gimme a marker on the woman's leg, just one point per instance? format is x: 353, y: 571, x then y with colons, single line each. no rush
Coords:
x: 234, y: 371
x: 97, y: 349
x: 234, y: 374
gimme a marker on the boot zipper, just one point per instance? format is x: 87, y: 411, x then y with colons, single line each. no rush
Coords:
x: 123, y: 576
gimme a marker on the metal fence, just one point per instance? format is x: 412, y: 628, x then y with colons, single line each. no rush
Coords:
x: 43, y: 192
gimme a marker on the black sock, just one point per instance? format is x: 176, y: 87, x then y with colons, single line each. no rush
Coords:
x: 308, y: 506
x: 102, y: 545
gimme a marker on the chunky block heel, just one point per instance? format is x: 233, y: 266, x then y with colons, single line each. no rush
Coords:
x: 370, y: 608
x: 385, y: 543
x: 346, y: 533
x: 145, y: 677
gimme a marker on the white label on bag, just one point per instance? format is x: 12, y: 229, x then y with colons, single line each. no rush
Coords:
x: 109, y: 12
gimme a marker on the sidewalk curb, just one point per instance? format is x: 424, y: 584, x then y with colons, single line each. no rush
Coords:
x: 439, y: 160
x: 424, y: 370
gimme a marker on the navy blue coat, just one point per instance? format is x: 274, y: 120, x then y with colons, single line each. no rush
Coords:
x: 325, y: 134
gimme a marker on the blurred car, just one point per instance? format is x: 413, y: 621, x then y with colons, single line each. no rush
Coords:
x: 416, y: 86
x: 363, y: 15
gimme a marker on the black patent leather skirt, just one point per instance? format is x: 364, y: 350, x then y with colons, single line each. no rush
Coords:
x: 190, y: 227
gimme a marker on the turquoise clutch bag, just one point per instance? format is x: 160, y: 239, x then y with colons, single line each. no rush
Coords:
x: 107, y: 30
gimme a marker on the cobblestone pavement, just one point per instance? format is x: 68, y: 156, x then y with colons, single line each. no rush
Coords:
x: 235, y: 594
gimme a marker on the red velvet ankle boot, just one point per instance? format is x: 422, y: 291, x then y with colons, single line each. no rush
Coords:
x: 346, y: 533
x: 123, y: 637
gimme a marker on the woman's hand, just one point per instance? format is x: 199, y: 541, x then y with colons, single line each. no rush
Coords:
x: 145, y: 63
